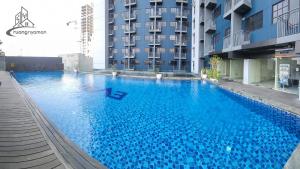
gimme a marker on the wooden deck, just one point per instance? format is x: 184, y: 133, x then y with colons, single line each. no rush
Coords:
x: 28, y: 139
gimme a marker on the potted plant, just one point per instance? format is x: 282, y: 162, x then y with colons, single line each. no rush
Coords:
x: 214, y: 74
x: 158, y: 74
x: 204, y: 73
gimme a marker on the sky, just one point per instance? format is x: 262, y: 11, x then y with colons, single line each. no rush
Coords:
x: 48, y: 15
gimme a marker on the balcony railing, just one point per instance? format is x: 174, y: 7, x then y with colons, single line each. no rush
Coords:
x: 154, y: 27
x: 241, y: 38
x: 155, y: 1
x: 180, y: 55
x: 210, y: 25
x: 289, y: 23
x: 111, y: 7
x: 111, y: 32
x: 228, y: 6
x: 111, y: 20
x: 155, y: 13
x: 111, y: 44
x: 183, y: 29
x: 226, y: 42
x: 181, y: 1
x: 154, y: 41
x: 184, y: 14
x: 130, y: 16
x: 180, y: 42
x: 130, y: 29
x: 152, y: 55
x: 129, y: 3
x: 129, y: 41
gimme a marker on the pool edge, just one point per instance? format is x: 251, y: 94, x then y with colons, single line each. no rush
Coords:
x: 72, y: 156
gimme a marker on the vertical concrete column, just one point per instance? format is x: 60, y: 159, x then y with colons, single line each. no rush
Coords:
x: 276, y: 84
x: 246, y: 79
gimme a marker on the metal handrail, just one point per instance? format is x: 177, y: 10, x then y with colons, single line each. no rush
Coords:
x: 288, y: 23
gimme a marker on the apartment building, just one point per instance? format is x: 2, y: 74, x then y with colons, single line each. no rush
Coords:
x: 87, y: 29
x: 258, y: 41
x: 148, y: 35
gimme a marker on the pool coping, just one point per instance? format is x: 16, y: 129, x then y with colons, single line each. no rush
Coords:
x: 67, y: 151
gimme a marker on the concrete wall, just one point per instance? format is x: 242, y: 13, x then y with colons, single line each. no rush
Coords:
x: 258, y: 70
x: 224, y: 67
x: 16, y: 63
x: 236, y: 68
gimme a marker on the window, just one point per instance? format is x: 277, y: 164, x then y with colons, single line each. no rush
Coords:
x: 280, y: 9
x: 254, y: 22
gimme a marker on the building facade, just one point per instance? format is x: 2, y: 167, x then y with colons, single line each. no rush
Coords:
x: 257, y: 40
x: 152, y: 35
x: 87, y: 29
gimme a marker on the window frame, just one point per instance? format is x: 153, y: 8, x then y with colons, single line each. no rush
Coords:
x: 282, y: 2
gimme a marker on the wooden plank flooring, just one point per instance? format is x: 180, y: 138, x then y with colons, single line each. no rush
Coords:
x: 28, y: 139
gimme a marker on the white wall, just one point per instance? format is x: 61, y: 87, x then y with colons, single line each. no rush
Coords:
x: 98, y: 44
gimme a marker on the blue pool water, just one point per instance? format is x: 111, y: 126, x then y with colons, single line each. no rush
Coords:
x: 135, y: 123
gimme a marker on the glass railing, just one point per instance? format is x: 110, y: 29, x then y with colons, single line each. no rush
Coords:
x: 130, y: 15
x: 226, y: 42
x: 241, y: 38
x: 129, y: 2
x: 228, y: 6
x: 155, y: 13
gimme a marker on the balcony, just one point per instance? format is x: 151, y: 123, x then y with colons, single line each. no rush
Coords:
x: 182, y: 1
x: 130, y: 16
x: 181, y: 28
x: 111, y: 6
x: 111, y: 32
x: 178, y: 55
x: 181, y: 42
x: 226, y: 42
x: 210, y: 4
x: 154, y: 41
x: 128, y: 3
x: 184, y: 14
x: 155, y: 13
x: 227, y: 9
x: 242, y: 6
x: 201, y: 18
x: 129, y: 41
x: 155, y: 1
x: 111, y: 20
x: 154, y: 55
x: 154, y: 27
x: 288, y: 25
x: 111, y: 43
x: 129, y: 55
x: 241, y: 38
x: 210, y: 25
x: 129, y: 29
x: 211, y: 48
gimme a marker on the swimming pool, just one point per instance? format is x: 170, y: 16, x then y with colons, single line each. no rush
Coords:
x: 136, y: 123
